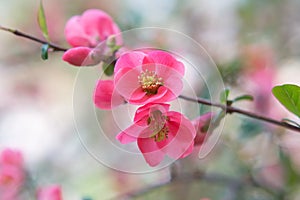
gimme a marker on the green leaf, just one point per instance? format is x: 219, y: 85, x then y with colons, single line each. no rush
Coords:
x: 224, y: 95
x: 42, y: 21
x: 289, y: 96
x: 243, y: 97
x: 108, y: 69
x: 44, y: 53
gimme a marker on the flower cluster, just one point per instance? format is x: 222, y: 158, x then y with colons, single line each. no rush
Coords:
x: 147, y: 78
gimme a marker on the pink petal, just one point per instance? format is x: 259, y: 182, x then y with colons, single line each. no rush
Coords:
x: 182, y: 120
x: 156, y: 98
x: 201, y: 121
x: 188, y: 151
x: 152, y: 154
x: 138, y: 94
x: 181, y: 136
x: 174, y: 84
x: 75, y: 34
x: 129, y: 60
x: 97, y: 23
x: 144, y: 111
x: 148, y: 64
x: 166, y: 59
x: 131, y: 133
x: 11, y: 157
x: 79, y: 56
x: 105, y: 95
x: 126, y: 82
x: 124, y: 138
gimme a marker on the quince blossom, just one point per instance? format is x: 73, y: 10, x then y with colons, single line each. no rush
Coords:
x: 84, y: 33
x: 148, y: 77
x: 160, y: 132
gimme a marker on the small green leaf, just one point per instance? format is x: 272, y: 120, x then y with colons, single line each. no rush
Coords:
x: 224, y: 95
x: 108, y: 69
x: 243, y: 97
x: 42, y: 21
x: 289, y: 96
x: 44, y: 54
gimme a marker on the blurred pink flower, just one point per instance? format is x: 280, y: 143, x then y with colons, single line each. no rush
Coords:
x: 85, y: 32
x: 202, y: 124
x: 105, y: 95
x: 160, y: 132
x: 11, y: 157
x: 260, y: 73
x: 155, y: 76
x: 12, y: 174
x: 50, y: 193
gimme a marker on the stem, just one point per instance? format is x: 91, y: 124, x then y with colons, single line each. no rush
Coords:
x: 231, y: 109
x: 35, y: 39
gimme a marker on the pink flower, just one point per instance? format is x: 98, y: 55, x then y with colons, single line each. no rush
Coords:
x: 85, y: 32
x: 11, y: 178
x: 105, y: 95
x: 201, y: 125
x: 260, y: 73
x: 11, y: 157
x: 160, y: 132
x: 154, y: 76
x: 50, y: 193
x: 12, y: 174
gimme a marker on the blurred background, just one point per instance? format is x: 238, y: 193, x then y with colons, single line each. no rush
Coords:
x: 255, y: 45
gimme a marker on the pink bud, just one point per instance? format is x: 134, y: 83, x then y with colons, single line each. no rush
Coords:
x: 79, y: 56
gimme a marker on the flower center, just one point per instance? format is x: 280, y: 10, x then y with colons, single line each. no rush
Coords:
x: 150, y: 82
x: 161, y: 135
x: 157, y: 123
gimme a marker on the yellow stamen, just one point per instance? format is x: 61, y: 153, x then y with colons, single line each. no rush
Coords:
x: 150, y: 82
x: 157, y: 123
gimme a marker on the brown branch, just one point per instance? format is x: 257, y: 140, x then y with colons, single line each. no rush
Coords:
x: 35, y: 39
x: 231, y: 109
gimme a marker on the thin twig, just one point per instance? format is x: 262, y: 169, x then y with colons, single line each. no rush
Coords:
x: 35, y: 39
x: 231, y: 109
